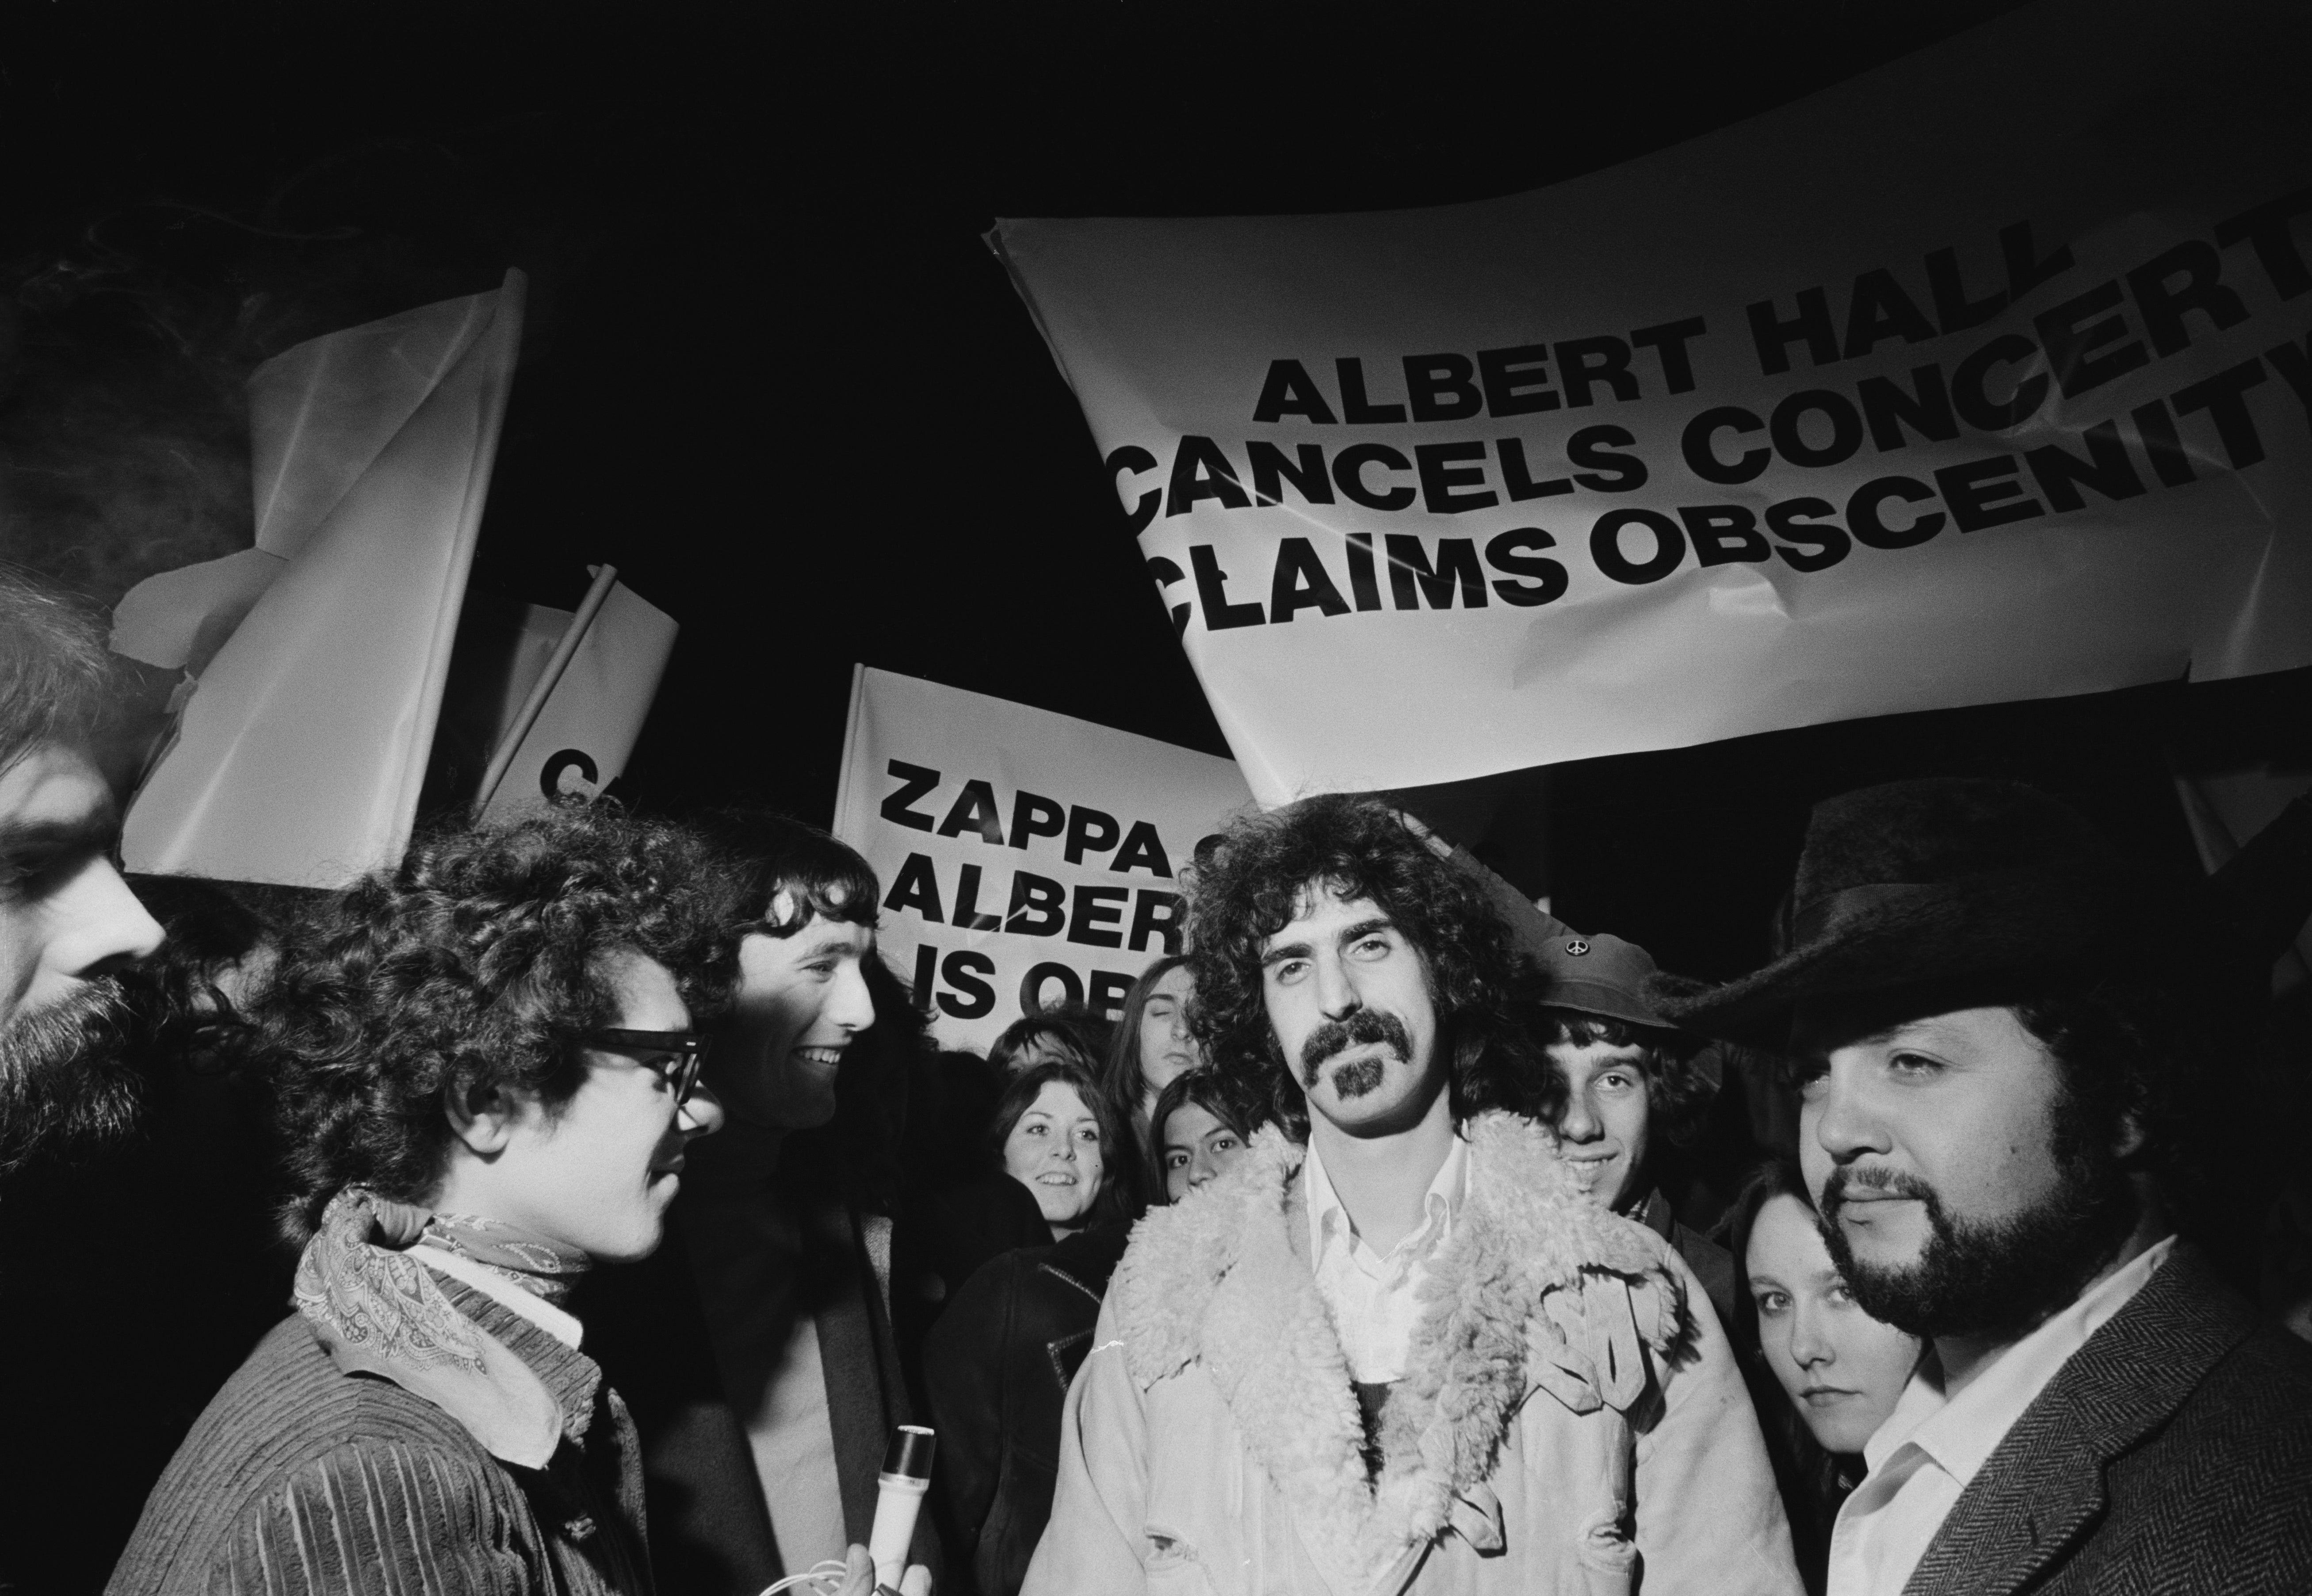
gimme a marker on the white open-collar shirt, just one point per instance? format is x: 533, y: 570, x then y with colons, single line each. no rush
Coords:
x: 1375, y: 1298
x: 1931, y: 1446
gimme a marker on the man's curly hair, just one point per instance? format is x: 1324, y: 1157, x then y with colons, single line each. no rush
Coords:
x: 476, y: 965
x: 1249, y: 888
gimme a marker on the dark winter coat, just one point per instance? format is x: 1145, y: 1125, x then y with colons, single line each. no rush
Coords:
x: 710, y: 1530
x: 998, y: 1364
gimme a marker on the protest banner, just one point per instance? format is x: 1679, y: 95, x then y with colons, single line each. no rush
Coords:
x: 1027, y: 858
x: 320, y: 653
x: 1984, y: 376
x: 576, y: 743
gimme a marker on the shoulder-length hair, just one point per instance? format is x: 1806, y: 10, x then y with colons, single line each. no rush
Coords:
x: 765, y: 854
x: 1255, y: 883
x: 480, y: 964
x: 1121, y: 1072
x: 1119, y: 1188
x: 1202, y: 1087
x: 1810, y: 1477
x: 1071, y: 1028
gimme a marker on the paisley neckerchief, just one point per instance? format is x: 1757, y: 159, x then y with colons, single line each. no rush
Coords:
x: 378, y: 1311
x: 521, y: 1259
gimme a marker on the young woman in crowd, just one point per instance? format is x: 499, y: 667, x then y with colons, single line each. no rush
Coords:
x: 488, y: 1071
x: 998, y: 1363
x: 1068, y: 1034
x: 1196, y: 1135
x: 1151, y: 1043
x: 1056, y: 1134
x: 1823, y: 1374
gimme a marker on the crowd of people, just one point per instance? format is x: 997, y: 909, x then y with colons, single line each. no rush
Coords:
x: 579, y: 1206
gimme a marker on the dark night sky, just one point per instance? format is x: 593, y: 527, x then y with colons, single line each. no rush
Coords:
x: 773, y: 374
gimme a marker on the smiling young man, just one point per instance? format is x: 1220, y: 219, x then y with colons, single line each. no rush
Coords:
x: 68, y: 923
x: 757, y: 1350
x: 487, y: 1074
x: 1396, y: 1348
x: 1992, y: 1048
x: 1632, y: 1083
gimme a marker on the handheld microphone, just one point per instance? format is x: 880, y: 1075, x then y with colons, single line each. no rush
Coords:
x: 898, y: 1497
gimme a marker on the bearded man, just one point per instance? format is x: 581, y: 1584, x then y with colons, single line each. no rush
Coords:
x: 68, y: 923
x: 1396, y: 1348
x: 1991, y: 1038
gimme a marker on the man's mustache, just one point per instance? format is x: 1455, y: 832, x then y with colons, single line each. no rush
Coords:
x: 1363, y: 1028
x: 1894, y: 1183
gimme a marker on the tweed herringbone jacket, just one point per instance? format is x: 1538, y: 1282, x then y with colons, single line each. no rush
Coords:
x: 2172, y: 1453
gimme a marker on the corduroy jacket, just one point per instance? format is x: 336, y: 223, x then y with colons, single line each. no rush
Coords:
x: 2173, y: 1452
x: 302, y: 1480
x: 1570, y: 1423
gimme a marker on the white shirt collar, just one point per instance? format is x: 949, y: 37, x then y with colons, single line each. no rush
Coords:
x: 1961, y: 1433
x: 1328, y: 1221
x: 557, y: 1322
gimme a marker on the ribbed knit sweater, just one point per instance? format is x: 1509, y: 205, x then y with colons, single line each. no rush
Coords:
x: 302, y: 1480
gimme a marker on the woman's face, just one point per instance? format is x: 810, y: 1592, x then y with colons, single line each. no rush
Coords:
x: 1054, y: 1152
x: 1844, y: 1370
x: 1165, y: 1047
x: 1196, y: 1148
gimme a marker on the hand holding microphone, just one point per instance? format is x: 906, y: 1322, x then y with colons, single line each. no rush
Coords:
x: 875, y: 1569
x: 859, y: 1578
x: 898, y: 1497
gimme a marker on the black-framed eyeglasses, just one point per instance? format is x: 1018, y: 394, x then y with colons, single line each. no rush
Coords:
x: 677, y: 1055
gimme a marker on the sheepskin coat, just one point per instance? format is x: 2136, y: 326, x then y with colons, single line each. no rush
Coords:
x: 1572, y: 1420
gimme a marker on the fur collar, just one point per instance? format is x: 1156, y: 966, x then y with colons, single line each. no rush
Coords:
x: 1538, y: 1286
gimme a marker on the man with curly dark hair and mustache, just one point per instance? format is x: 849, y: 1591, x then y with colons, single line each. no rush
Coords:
x: 489, y: 1066
x: 68, y: 923
x: 1396, y: 1348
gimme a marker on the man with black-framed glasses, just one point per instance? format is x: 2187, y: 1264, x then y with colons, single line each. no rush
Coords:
x: 673, y: 1055
x: 489, y: 1080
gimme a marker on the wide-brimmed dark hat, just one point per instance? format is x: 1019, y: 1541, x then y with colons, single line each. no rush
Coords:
x: 1925, y: 883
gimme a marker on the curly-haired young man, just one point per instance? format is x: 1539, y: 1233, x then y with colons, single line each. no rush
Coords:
x: 487, y: 1069
x: 1396, y: 1348
x: 68, y: 923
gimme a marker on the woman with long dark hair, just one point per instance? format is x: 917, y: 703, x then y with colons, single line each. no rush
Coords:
x: 1151, y: 1043
x: 1058, y: 1135
x: 1194, y: 1137
x: 1823, y: 1373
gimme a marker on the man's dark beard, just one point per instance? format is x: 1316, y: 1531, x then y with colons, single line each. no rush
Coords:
x: 1989, y: 1279
x: 66, y: 1082
x: 1366, y: 1026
